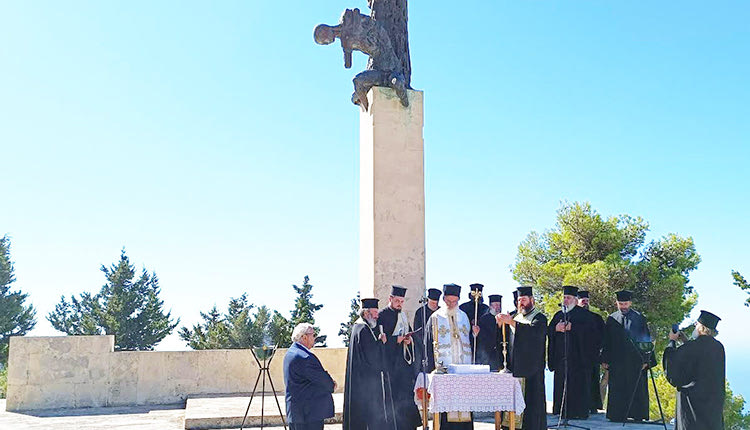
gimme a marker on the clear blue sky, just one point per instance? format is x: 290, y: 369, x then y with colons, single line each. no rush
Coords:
x: 216, y: 142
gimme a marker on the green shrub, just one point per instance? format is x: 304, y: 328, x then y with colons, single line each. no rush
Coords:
x: 3, y: 381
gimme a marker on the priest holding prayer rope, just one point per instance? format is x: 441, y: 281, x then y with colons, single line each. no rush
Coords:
x: 530, y: 336
x: 448, y: 342
x: 401, y: 361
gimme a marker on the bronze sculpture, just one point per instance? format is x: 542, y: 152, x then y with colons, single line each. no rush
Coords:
x: 384, y: 37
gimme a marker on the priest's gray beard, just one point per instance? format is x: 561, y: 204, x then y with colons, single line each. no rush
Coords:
x: 371, y: 322
x: 567, y: 309
x: 493, y: 312
x: 451, y: 312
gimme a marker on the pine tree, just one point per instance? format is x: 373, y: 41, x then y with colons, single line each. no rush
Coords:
x: 126, y: 307
x: 608, y: 254
x: 212, y: 334
x: 304, y: 310
x: 16, y: 319
x: 742, y: 284
x: 237, y: 329
x: 280, y: 330
x: 346, y: 327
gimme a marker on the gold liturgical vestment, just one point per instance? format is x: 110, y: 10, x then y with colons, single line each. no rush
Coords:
x: 450, y: 334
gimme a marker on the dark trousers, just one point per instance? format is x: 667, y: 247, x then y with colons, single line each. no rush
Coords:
x: 306, y: 426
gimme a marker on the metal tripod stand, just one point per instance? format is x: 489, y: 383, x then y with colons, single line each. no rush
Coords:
x: 267, y: 356
x: 646, y: 348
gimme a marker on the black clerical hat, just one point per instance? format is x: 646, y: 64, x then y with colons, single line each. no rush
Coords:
x: 525, y: 291
x: 451, y: 290
x: 369, y: 303
x: 476, y: 287
x: 583, y: 294
x: 434, y: 294
x: 496, y: 298
x: 624, y: 296
x: 569, y: 290
x: 709, y: 320
x: 398, y: 291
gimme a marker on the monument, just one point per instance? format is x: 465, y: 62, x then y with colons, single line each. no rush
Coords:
x: 392, y: 234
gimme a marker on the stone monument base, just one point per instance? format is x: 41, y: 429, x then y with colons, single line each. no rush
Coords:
x: 392, y: 232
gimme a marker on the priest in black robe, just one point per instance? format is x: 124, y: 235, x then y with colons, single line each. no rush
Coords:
x: 528, y: 352
x: 451, y: 327
x: 514, y: 311
x: 468, y: 307
x: 401, y: 359
x: 368, y: 404
x: 422, y: 315
x: 627, y: 364
x: 697, y: 370
x: 596, y: 335
x: 570, y: 357
x: 490, y: 336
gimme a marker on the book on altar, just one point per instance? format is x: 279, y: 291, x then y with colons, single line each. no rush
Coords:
x: 468, y: 369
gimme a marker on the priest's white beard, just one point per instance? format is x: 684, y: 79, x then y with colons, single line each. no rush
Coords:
x: 452, y: 312
x: 567, y: 309
x: 371, y: 322
x: 493, y: 312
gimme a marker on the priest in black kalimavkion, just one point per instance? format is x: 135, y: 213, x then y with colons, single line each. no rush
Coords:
x: 627, y: 363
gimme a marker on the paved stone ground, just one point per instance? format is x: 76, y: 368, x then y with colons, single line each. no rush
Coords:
x: 172, y: 418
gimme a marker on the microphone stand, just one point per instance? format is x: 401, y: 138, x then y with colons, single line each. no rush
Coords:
x: 425, y: 414
x: 562, y: 421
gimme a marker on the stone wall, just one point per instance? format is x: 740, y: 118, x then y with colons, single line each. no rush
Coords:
x: 85, y: 371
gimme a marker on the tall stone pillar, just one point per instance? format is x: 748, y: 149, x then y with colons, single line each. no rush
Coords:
x: 392, y: 237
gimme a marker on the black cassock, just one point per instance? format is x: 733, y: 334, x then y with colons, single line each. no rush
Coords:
x: 368, y: 404
x: 490, y: 343
x: 419, y: 320
x: 625, y: 360
x: 403, y: 374
x: 468, y: 308
x: 596, y: 343
x: 528, y: 362
x: 697, y: 370
x: 571, y: 353
x: 419, y: 334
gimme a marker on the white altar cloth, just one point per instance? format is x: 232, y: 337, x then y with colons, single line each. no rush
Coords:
x: 489, y: 392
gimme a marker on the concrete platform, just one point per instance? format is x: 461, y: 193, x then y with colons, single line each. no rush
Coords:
x: 172, y: 417
x: 227, y: 411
